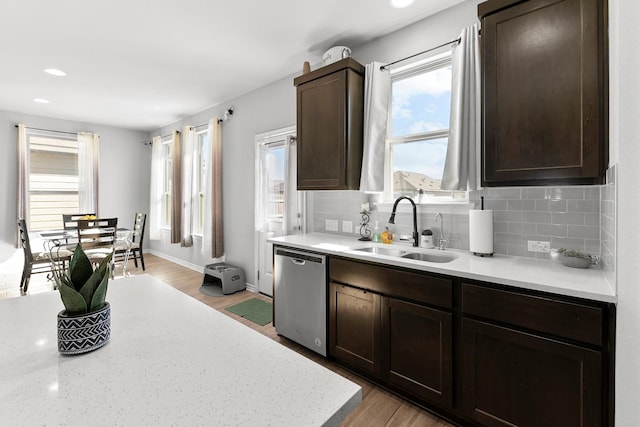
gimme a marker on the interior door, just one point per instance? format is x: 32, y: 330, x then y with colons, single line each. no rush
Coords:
x: 279, y: 206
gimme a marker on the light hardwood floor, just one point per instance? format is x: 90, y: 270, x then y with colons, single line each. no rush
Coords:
x: 378, y: 407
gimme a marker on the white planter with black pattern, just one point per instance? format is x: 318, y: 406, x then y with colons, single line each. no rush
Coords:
x: 85, y: 332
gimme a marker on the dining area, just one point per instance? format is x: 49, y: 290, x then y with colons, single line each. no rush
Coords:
x: 46, y: 251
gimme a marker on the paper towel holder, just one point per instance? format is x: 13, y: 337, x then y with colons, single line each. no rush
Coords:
x: 481, y: 254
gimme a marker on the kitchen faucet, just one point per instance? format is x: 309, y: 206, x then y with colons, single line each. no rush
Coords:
x: 442, y: 240
x: 415, y: 217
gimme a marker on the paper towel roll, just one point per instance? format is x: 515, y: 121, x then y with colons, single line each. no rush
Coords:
x: 481, y: 232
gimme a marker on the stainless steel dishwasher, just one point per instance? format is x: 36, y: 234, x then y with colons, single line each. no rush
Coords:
x: 300, y: 298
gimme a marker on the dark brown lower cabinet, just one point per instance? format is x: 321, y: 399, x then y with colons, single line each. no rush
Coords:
x: 480, y: 354
x: 407, y: 346
x: 416, y: 356
x: 512, y: 378
x: 354, y: 328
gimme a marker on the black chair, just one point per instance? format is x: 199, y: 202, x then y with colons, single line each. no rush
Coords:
x: 97, y: 237
x: 70, y: 223
x: 135, y: 246
x: 37, y: 262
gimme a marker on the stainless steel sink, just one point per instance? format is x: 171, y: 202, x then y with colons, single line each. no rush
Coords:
x: 383, y: 251
x: 430, y: 257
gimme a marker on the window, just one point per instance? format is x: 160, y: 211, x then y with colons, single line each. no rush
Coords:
x: 53, y: 180
x: 167, y: 173
x: 418, y: 131
x: 200, y: 172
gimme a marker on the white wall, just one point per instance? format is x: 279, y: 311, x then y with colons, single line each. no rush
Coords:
x: 268, y: 108
x: 123, y: 175
x: 625, y: 143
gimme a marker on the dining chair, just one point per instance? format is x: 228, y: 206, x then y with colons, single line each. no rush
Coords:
x: 70, y: 222
x: 97, y: 237
x: 135, y: 246
x: 37, y: 262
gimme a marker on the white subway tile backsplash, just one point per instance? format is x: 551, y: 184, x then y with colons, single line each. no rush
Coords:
x: 534, y: 193
x: 537, y: 217
x: 557, y: 205
x: 565, y: 193
x: 522, y: 228
x: 542, y: 205
x: 567, y: 218
x: 503, y: 193
x: 583, y: 206
x: 583, y: 232
x: 592, y: 219
x: 581, y: 218
x: 558, y: 230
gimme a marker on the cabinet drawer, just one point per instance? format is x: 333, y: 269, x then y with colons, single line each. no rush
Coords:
x: 392, y: 282
x: 564, y: 319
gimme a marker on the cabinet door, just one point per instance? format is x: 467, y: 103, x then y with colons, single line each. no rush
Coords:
x: 417, y: 356
x: 321, y: 133
x: 516, y: 379
x: 330, y: 111
x: 543, y: 91
x: 354, y: 327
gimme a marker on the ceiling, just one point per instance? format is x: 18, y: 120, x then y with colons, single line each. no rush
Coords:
x: 143, y: 64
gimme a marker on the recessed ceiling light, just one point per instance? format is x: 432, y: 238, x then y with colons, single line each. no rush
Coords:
x: 399, y: 4
x: 55, y: 72
x: 41, y: 100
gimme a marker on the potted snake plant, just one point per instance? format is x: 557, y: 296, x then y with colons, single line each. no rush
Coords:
x: 85, y: 323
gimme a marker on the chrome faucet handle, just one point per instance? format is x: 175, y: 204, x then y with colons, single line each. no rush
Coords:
x: 442, y: 243
x: 443, y: 239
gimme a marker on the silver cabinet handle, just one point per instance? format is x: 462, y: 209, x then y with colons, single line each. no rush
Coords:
x: 298, y: 261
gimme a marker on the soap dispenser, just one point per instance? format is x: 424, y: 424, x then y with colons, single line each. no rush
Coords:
x: 376, y: 233
x: 386, y: 236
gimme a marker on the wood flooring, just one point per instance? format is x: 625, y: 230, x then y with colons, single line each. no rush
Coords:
x: 378, y: 407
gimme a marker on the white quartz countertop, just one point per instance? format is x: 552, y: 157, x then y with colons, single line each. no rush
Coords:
x: 542, y: 275
x: 172, y: 360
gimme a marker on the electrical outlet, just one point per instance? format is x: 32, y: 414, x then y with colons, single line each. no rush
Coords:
x: 537, y: 246
x: 347, y: 227
x: 331, y: 225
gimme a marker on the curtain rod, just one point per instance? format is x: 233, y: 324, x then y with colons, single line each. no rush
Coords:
x: 50, y: 130
x: 383, y: 67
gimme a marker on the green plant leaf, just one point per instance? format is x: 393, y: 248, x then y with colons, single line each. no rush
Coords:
x: 100, y: 294
x: 89, y: 288
x: 79, y: 268
x: 73, y: 301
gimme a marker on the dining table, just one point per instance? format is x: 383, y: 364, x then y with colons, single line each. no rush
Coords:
x: 48, y: 239
x: 171, y: 361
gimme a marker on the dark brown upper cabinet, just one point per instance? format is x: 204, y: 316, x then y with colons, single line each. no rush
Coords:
x: 544, y: 92
x: 330, y: 108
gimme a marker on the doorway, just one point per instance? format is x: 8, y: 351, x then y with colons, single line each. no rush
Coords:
x: 279, y: 207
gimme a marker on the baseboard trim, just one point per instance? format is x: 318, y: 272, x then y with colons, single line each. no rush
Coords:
x: 250, y: 287
x: 175, y: 260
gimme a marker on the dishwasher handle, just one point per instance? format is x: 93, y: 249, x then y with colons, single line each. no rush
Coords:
x: 299, y: 257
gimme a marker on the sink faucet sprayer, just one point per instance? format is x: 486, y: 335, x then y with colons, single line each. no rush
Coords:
x: 415, y: 219
x: 442, y: 240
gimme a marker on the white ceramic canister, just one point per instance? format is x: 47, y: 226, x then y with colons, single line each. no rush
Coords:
x: 426, y: 239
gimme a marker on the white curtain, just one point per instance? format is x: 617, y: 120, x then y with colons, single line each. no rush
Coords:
x: 461, y: 169
x: 188, y: 195
x: 212, y: 239
x: 88, y: 154
x: 156, y: 194
x: 377, y: 86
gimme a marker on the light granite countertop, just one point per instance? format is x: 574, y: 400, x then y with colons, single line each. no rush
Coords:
x: 172, y: 360
x: 541, y: 275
